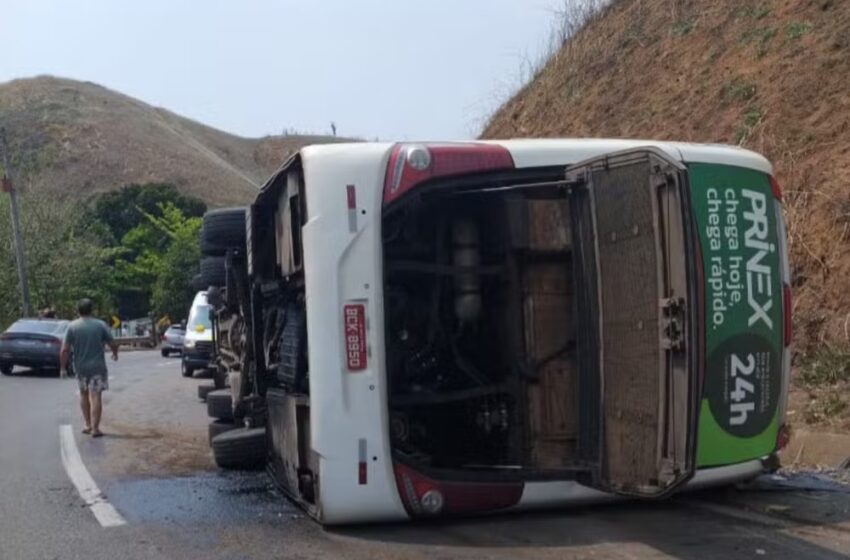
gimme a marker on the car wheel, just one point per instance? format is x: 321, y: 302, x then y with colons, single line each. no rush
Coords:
x: 220, y: 404
x: 212, y: 271
x: 185, y: 369
x: 242, y: 449
x: 223, y: 229
x: 6, y: 369
x: 165, y: 353
x: 219, y: 427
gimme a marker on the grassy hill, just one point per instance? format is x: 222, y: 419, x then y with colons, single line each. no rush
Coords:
x: 773, y: 76
x: 79, y: 138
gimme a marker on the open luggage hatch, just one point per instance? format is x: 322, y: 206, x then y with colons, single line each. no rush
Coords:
x: 637, y: 321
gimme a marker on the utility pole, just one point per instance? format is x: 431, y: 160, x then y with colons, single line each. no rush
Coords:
x: 8, y: 186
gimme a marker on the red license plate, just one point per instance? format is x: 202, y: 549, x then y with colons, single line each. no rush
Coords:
x: 354, y: 322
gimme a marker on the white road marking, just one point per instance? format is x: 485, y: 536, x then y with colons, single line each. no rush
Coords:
x: 103, y: 511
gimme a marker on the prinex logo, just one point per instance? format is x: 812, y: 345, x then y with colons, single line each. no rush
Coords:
x: 759, y: 274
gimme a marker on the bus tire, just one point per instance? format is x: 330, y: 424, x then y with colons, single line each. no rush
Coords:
x: 217, y: 427
x: 204, y: 390
x: 212, y: 271
x: 223, y: 229
x: 220, y: 404
x: 240, y: 449
x: 219, y: 378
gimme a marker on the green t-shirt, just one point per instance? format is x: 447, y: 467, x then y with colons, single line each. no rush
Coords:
x: 86, y: 337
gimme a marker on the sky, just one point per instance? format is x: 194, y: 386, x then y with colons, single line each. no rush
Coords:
x: 394, y: 70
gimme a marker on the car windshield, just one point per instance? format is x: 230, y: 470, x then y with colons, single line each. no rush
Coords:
x: 176, y: 330
x: 39, y: 327
x: 199, y: 317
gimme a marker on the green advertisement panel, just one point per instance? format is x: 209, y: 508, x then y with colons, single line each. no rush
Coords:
x: 736, y: 218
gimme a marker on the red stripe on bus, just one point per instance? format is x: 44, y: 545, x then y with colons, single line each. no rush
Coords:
x: 352, y: 197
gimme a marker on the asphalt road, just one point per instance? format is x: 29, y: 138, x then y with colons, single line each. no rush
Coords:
x: 154, y: 467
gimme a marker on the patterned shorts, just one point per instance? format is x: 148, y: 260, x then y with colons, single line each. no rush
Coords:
x: 93, y: 383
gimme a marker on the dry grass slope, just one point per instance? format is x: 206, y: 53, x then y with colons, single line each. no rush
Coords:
x: 78, y: 138
x: 773, y: 76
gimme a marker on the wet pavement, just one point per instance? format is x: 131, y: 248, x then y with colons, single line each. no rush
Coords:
x: 154, y: 467
x: 209, y: 498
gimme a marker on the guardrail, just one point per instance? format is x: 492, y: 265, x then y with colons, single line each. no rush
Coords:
x: 136, y: 341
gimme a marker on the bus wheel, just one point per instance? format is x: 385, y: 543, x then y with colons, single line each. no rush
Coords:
x: 204, y: 390
x: 223, y: 229
x: 219, y: 378
x: 240, y: 449
x: 212, y: 271
x: 220, y: 405
x: 219, y: 427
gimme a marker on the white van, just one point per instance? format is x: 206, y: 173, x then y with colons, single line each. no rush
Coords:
x: 198, y: 341
x: 455, y: 328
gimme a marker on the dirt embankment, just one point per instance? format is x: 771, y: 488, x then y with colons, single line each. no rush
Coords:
x: 771, y: 76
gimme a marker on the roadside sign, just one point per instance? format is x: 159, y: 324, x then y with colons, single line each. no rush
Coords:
x: 116, y: 322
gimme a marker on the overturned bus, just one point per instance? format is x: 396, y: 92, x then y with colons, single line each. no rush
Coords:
x: 415, y: 330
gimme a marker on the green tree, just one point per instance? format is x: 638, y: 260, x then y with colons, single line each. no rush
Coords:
x: 137, y: 263
x: 139, y: 221
x: 122, y: 210
x: 167, y: 268
x: 132, y: 267
x: 66, y: 259
x: 173, y: 291
x: 172, y: 288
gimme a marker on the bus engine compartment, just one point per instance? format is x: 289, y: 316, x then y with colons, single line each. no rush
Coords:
x: 480, y: 331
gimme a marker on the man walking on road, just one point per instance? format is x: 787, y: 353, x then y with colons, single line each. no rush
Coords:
x: 85, y: 339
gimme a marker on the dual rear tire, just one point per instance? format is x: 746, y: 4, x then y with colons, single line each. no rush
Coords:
x: 218, y: 427
x: 233, y: 446
x: 204, y: 390
x: 240, y: 448
x: 213, y: 272
x: 220, y: 405
x: 223, y: 229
